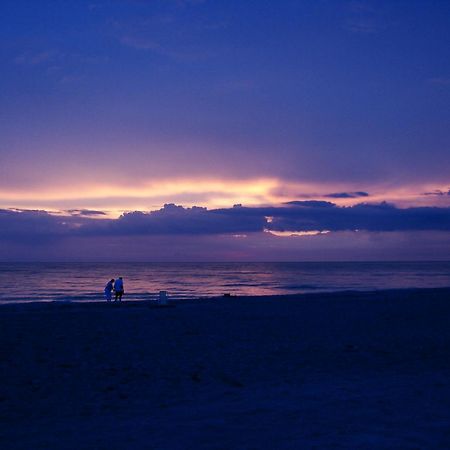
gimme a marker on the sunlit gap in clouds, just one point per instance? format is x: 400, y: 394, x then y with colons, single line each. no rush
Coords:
x: 296, y: 233
x: 269, y: 220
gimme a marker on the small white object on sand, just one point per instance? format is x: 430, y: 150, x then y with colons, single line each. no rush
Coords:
x: 162, y: 298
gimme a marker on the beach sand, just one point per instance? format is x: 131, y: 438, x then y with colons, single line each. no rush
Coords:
x: 344, y: 371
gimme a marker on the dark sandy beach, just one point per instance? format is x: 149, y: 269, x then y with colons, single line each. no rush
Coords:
x: 348, y: 370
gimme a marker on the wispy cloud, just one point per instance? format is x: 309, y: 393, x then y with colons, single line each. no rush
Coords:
x: 362, y: 18
x: 437, y: 193
x: 440, y: 81
x: 189, y: 2
x: 347, y: 194
x: 183, y: 53
x: 71, y: 78
x: 177, y: 3
x: 61, y: 67
x: 85, y: 212
x: 139, y: 43
x: 236, y: 86
x: 33, y: 59
x: 362, y: 26
x: 168, y: 30
x: 94, y: 6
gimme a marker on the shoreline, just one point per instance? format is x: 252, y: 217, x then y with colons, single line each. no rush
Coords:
x: 331, y: 295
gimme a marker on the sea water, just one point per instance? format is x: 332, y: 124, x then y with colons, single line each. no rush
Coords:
x: 24, y: 282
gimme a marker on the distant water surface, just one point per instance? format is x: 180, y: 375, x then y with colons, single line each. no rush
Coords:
x: 24, y: 282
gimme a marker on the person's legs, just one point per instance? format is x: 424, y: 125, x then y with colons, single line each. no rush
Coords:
x: 120, y: 296
x: 116, y: 296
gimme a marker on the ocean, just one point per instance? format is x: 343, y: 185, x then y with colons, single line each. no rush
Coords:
x: 31, y: 282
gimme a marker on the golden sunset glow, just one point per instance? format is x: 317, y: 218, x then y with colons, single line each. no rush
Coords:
x: 152, y: 195
x: 151, y: 189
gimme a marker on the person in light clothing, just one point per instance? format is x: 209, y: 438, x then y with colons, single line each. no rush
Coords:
x: 108, y: 290
x: 118, y: 289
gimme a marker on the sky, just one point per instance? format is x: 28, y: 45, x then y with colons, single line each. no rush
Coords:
x: 223, y: 130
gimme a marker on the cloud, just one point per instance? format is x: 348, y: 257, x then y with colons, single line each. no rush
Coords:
x: 63, y: 67
x: 174, y: 219
x: 165, y: 29
x: 178, y: 3
x: 182, y: 53
x: 69, y: 79
x: 310, y: 203
x: 94, y: 6
x: 440, y: 81
x: 368, y: 217
x: 361, y: 26
x: 347, y: 194
x: 236, y: 86
x: 297, y: 216
x: 33, y: 59
x: 33, y: 225
x: 139, y: 43
x: 183, y: 3
x: 85, y: 212
x: 362, y: 18
x: 437, y: 193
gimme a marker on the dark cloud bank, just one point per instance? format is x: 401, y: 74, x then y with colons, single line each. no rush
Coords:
x: 39, y: 226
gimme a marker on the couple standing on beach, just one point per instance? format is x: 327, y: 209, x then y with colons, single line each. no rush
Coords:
x: 117, y: 287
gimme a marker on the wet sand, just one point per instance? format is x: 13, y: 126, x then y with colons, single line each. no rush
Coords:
x: 347, y: 370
